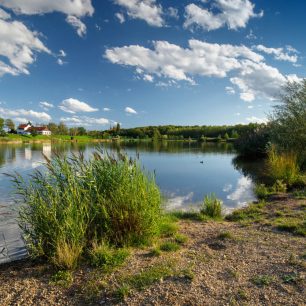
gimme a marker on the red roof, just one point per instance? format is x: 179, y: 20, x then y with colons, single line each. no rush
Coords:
x: 22, y: 126
x: 39, y: 128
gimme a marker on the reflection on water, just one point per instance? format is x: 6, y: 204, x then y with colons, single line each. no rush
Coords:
x: 185, y: 172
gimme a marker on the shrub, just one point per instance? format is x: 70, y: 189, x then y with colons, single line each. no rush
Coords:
x: 279, y: 186
x: 212, y: 207
x: 74, y: 202
x: 261, y: 191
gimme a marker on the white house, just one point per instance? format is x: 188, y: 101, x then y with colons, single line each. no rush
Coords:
x: 24, y: 129
x: 27, y: 129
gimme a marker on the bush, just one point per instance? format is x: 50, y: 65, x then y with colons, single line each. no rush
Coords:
x: 212, y: 207
x: 77, y: 201
x: 261, y: 191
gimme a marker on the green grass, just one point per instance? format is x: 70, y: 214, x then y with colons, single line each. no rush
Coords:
x: 226, y: 236
x: 263, y: 280
x: 296, y: 226
x: 252, y: 213
x: 187, y: 215
x: 180, y: 238
x: 261, y: 191
x: 74, y: 202
x: 62, y: 278
x: 169, y: 246
x: 107, y: 257
x: 212, y: 207
x: 147, y: 277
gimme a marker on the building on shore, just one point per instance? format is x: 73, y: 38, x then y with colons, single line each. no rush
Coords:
x: 29, y: 129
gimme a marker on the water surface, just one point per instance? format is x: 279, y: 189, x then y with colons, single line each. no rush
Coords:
x: 185, y: 173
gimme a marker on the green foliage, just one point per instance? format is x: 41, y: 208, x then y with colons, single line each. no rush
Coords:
x: 253, y: 141
x: 180, y: 238
x: 263, y: 280
x: 62, y: 278
x: 225, y: 235
x: 289, y: 121
x: 167, y: 226
x: 283, y: 166
x: 10, y: 124
x: 261, y: 191
x: 253, y: 213
x: 279, y: 186
x: 292, y: 225
x: 169, y: 246
x: 149, y: 276
x: 212, y: 207
x: 2, y: 127
x: 107, y: 257
x: 76, y: 201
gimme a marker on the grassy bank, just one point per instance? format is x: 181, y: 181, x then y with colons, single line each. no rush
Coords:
x: 13, y: 138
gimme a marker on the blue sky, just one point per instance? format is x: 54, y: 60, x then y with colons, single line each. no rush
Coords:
x: 147, y: 62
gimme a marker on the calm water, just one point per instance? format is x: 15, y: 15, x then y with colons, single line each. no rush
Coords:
x: 184, y: 172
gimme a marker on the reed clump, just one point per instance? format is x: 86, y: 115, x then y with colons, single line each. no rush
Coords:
x: 283, y: 166
x: 74, y: 202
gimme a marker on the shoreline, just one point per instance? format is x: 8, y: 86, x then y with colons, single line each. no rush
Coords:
x: 249, y: 260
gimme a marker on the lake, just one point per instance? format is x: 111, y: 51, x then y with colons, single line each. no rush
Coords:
x: 185, y: 173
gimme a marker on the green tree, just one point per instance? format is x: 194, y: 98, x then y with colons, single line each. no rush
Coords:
x: 234, y: 134
x: 1, y: 127
x: 226, y: 136
x: 288, y: 120
x: 62, y: 129
x: 81, y: 131
x: 53, y: 128
x: 156, y: 135
x: 9, y: 123
x: 118, y: 127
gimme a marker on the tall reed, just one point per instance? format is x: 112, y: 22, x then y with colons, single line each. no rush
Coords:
x: 74, y: 201
x: 283, y: 166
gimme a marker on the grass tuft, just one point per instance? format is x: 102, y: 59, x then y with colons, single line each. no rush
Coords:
x: 106, y: 257
x: 169, y: 246
x: 62, y: 278
x: 212, y: 207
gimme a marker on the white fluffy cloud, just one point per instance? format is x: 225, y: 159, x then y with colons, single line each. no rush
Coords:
x: 130, y: 110
x: 106, y: 109
x: 77, y: 24
x: 84, y: 121
x: 279, y: 53
x: 231, y: 13
x: 246, y: 68
x: 73, y: 106
x: 230, y: 90
x: 25, y: 115
x: 18, y: 44
x: 74, y: 9
x: 257, y: 120
x: 32, y: 7
x: 120, y: 17
x: 147, y: 10
x: 46, y: 105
